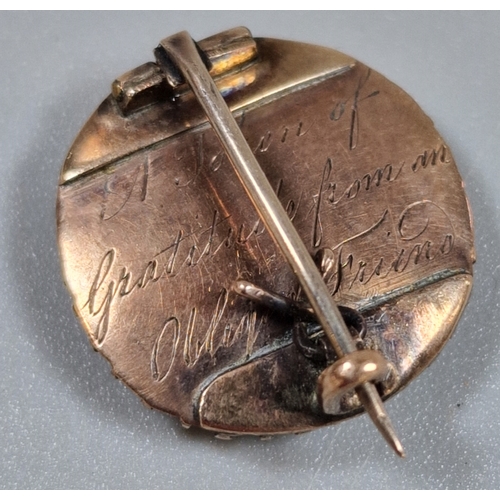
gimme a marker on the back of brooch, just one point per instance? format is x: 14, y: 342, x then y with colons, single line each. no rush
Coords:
x: 182, y: 282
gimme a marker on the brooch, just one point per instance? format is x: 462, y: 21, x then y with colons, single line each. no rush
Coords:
x: 263, y: 236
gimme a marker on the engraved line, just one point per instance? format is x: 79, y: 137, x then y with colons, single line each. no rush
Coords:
x: 317, y: 228
x: 156, y: 350
x: 416, y: 204
x: 189, y: 336
x: 103, y: 211
x: 198, y: 231
x: 145, y: 179
x: 365, y: 232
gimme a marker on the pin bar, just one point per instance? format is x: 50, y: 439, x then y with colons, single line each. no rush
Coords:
x: 183, y: 53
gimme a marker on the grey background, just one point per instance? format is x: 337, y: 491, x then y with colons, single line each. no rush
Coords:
x: 67, y: 423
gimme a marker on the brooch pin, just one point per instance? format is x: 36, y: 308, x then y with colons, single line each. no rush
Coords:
x: 263, y: 236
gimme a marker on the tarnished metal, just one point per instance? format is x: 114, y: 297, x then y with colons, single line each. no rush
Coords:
x: 156, y: 232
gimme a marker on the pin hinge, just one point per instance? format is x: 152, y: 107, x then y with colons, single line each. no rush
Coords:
x: 223, y: 54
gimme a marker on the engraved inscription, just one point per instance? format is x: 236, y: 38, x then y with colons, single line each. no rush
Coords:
x: 167, y: 340
x: 380, y: 176
x: 354, y: 119
x: 343, y: 267
x: 337, y: 194
x: 184, y: 251
x: 152, y: 242
x: 99, y: 304
x: 115, y: 200
x: 177, y: 334
x: 111, y: 283
x: 405, y: 239
x: 193, y: 349
x: 177, y: 339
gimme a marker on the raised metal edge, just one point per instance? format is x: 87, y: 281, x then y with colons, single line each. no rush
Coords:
x: 282, y: 67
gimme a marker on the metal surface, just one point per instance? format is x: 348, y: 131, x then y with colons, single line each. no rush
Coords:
x: 226, y: 55
x: 154, y: 231
x: 346, y: 374
x: 182, y: 52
